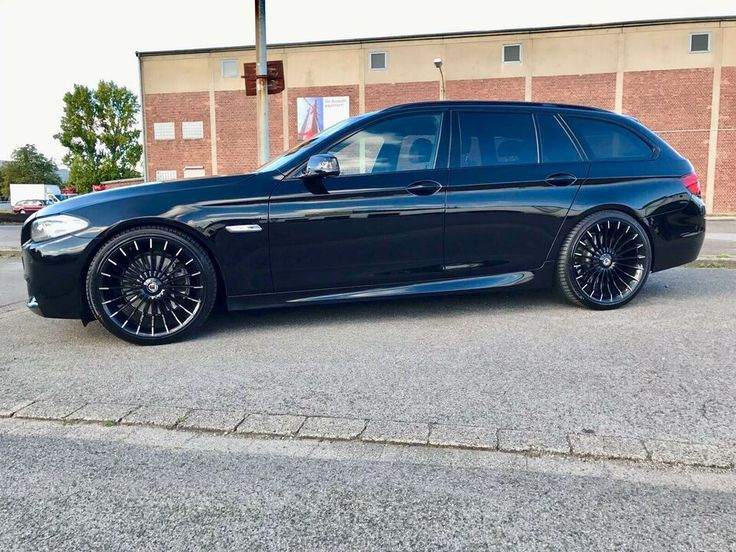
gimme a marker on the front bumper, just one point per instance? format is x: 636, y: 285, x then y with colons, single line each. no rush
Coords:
x: 54, y: 274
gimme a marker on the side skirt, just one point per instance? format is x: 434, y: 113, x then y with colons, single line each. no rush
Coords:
x: 311, y: 297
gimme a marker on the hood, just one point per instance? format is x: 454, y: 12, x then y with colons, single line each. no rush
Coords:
x: 139, y: 190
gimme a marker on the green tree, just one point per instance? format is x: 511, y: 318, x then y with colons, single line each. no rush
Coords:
x: 99, y: 130
x: 28, y: 166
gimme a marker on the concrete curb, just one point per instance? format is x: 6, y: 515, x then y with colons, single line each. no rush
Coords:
x: 422, y: 434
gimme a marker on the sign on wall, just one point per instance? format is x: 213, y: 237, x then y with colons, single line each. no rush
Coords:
x: 315, y: 114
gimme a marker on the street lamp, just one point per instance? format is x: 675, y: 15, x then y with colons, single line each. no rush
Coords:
x: 438, y: 65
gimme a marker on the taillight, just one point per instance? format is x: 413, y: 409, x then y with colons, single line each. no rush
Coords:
x: 691, y: 182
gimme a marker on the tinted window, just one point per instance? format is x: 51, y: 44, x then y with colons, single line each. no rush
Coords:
x: 607, y: 141
x: 399, y: 144
x: 488, y: 139
x: 556, y: 144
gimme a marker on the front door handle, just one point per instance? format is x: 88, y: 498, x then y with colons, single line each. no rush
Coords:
x: 561, y: 179
x: 424, y: 187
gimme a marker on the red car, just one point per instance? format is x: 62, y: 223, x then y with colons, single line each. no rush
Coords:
x: 29, y: 206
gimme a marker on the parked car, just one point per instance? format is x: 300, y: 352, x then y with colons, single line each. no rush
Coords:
x: 416, y: 199
x: 29, y: 206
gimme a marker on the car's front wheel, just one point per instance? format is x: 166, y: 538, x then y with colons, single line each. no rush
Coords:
x: 604, y: 261
x: 151, y: 285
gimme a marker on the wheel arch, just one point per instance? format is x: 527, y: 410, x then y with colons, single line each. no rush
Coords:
x: 130, y: 224
x: 572, y: 221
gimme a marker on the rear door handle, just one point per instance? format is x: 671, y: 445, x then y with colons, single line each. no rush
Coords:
x: 561, y: 179
x: 424, y: 187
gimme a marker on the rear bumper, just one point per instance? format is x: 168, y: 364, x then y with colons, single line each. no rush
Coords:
x: 54, y: 274
x: 677, y: 237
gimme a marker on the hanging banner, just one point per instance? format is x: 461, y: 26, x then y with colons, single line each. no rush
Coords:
x: 315, y: 114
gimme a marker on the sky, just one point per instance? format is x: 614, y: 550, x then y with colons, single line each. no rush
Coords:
x: 46, y: 46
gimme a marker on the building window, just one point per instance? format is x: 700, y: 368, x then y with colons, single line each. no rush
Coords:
x: 378, y: 61
x: 230, y: 69
x: 193, y: 172
x: 163, y: 131
x: 192, y: 130
x: 512, y: 53
x: 165, y: 175
x: 699, y: 43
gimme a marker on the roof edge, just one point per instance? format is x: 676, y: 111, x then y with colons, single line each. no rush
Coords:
x: 456, y: 34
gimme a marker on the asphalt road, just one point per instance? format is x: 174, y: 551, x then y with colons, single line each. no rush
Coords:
x: 87, y: 487
x: 10, y: 237
x: 661, y: 368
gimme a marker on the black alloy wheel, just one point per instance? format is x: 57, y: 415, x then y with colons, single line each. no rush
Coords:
x: 604, y: 261
x: 151, y: 285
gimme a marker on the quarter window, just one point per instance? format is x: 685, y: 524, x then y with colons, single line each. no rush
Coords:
x: 556, y: 144
x: 488, y: 139
x: 398, y: 144
x: 604, y: 141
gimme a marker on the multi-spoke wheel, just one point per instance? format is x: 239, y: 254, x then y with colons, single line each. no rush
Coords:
x: 151, y: 285
x: 605, y: 261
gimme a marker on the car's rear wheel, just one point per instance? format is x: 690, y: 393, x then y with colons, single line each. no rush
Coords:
x: 604, y: 261
x: 151, y: 285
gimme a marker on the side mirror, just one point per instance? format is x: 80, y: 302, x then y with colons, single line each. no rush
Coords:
x: 320, y: 165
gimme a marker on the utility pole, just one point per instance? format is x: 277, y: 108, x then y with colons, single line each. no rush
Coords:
x: 264, y: 150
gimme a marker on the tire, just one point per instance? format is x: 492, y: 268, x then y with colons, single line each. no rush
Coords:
x: 604, y: 261
x: 151, y: 285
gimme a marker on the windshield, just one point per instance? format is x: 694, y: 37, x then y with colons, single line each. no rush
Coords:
x: 286, y: 157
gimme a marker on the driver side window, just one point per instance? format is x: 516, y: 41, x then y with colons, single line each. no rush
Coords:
x: 406, y: 143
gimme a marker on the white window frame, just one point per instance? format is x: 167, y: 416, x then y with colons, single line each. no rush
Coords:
x: 169, y: 171
x: 710, y: 42
x: 194, y: 168
x: 222, y: 69
x: 521, y: 53
x: 385, y: 59
x: 199, y: 125
x: 162, y: 126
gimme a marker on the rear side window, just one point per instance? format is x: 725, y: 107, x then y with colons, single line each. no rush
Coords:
x: 557, y: 147
x: 607, y: 141
x: 489, y: 139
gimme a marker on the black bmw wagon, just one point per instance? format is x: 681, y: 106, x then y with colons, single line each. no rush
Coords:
x: 416, y: 199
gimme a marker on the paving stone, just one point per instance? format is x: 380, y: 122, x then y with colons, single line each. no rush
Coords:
x: 521, y: 440
x: 9, y: 406
x: 674, y: 452
x: 49, y: 409
x: 102, y: 412
x: 463, y: 436
x: 318, y: 427
x: 607, y: 446
x: 213, y: 420
x: 283, y: 425
x: 164, y: 416
x: 396, y: 432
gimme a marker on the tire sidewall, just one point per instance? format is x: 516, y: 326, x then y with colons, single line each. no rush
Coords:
x: 210, y: 278
x: 568, y: 252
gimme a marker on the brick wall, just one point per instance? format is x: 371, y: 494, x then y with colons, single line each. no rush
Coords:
x: 724, y: 199
x: 597, y: 90
x: 307, y: 92
x: 378, y: 96
x: 675, y: 104
x: 486, y: 89
x: 178, y: 153
x: 235, y: 117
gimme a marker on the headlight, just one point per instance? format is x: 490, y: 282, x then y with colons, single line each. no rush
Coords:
x: 46, y: 228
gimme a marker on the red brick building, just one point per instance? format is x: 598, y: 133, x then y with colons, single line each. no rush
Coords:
x: 676, y: 76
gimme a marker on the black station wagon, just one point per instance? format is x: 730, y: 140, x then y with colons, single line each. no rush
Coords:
x: 415, y: 199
